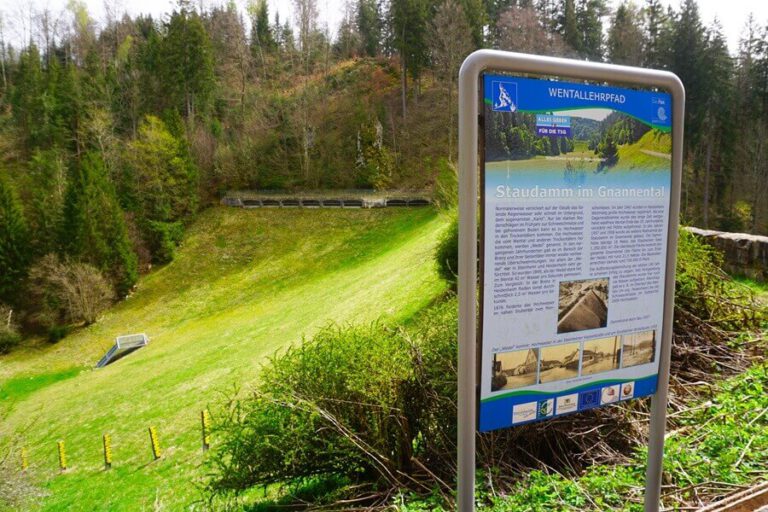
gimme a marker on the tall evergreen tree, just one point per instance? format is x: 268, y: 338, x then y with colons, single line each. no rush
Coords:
x: 186, y: 64
x: 408, y: 28
x: 93, y: 227
x: 687, y: 61
x: 477, y: 18
x: 27, y: 98
x: 717, y: 118
x: 369, y: 25
x: 625, y: 36
x: 590, y: 27
x: 568, y: 25
x: 654, y: 30
x: 14, y: 243
x: 262, y: 38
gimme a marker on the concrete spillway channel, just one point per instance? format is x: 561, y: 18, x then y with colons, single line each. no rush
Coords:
x: 362, y: 200
x: 589, y: 312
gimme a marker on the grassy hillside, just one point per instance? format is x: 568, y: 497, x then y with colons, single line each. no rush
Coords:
x: 647, y: 153
x: 244, y: 284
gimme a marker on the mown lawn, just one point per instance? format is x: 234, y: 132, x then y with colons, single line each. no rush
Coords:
x: 244, y: 284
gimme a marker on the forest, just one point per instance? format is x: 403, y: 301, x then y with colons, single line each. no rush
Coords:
x: 115, y: 133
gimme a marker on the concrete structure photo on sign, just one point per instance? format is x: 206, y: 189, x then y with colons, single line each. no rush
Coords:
x: 582, y: 305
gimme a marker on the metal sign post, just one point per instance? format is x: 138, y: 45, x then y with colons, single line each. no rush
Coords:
x: 550, y: 124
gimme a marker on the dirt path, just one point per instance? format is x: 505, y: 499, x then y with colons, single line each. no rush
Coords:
x: 665, y: 156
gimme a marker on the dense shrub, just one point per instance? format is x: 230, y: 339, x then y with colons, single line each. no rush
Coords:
x: 360, y: 402
x: 447, y: 253
x: 56, y: 333
x: 703, y: 290
x: 9, y: 338
x: 163, y: 238
x: 65, y: 291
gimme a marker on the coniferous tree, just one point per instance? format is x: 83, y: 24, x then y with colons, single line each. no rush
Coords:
x: 369, y: 26
x: 654, y: 30
x: 625, y: 36
x: 568, y: 25
x: 93, y: 228
x: 590, y: 28
x: 717, y: 118
x: 186, y: 65
x: 408, y: 27
x: 687, y: 61
x: 14, y: 243
x: 477, y: 18
x: 261, y: 31
x: 27, y: 98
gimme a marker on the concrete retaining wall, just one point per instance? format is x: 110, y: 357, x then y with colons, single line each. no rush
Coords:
x: 745, y: 254
x: 333, y: 199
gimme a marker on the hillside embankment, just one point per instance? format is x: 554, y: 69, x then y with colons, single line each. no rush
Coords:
x: 244, y: 284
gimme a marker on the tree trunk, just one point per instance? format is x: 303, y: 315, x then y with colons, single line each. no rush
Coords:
x: 403, y: 85
x: 707, y: 168
x: 450, y: 120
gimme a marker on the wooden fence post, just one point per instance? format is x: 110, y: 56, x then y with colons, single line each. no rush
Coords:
x: 24, y: 460
x: 154, y: 442
x: 206, y: 427
x: 62, y: 456
x: 107, y: 441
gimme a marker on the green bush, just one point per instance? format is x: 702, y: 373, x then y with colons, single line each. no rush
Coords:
x: 356, y: 402
x: 9, y: 339
x: 163, y: 238
x: 446, y: 190
x: 447, y: 253
x: 56, y: 333
x: 703, y: 290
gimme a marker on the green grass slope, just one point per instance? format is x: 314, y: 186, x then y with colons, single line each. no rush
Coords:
x: 244, y: 284
x: 652, y: 152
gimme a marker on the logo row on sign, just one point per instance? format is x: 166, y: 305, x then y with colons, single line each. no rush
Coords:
x: 574, y: 402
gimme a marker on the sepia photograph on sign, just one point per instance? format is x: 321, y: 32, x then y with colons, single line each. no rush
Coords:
x: 601, y: 355
x: 514, y: 369
x: 638, y: 348
x: 559, y: 362
x: 582, y: 305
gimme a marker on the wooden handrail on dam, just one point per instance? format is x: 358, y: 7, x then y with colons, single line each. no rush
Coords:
x: 329, y: 199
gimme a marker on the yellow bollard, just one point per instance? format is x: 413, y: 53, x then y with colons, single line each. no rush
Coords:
x: 107, y: 440
x: 62, y: 456
x: 206, y: 426
x: 155, y: 444
x: 24, y: 461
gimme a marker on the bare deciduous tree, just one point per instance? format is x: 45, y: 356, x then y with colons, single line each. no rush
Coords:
x: 451, y: 41
x: 521, y: 30
x: 78, y: 290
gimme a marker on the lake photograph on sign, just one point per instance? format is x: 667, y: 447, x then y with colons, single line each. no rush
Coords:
x: 577, y: 181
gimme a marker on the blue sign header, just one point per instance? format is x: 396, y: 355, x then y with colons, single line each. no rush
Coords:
x: 512, y: 94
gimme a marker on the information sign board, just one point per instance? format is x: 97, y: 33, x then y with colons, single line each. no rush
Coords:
x: 581, y: 165
x: 576, y: 186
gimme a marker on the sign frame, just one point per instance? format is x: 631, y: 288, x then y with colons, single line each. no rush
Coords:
x: 470, y: 75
